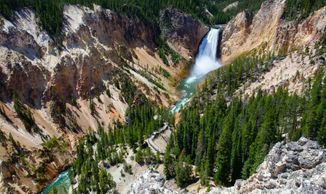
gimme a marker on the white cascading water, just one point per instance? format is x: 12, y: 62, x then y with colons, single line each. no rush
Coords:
x: 206, y: 61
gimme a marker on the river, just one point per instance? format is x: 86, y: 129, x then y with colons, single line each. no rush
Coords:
x: 206, y: 61
x: 61, y: 183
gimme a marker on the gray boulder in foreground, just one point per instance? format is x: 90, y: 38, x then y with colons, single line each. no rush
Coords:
x: 294, y: 167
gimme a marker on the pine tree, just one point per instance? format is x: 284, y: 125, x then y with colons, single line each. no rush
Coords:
x: 313, y: 117
x: 223, y: 153
x: 183, y: 171
x: 322, y: 132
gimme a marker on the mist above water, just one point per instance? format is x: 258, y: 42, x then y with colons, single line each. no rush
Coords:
x: 206, y: 60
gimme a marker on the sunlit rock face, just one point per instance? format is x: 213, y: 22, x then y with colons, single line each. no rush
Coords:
x: 98, y: 47
x: 293, y: 167
x: 99, y: 50
x: 269, y: 31
x: 150, y: 182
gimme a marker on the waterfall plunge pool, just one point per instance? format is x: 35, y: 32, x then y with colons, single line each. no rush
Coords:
x: 206, y: 61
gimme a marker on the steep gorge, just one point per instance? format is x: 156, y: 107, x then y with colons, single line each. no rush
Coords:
x: 70, y: 89
x: 104, y: 62
x: 225, y: 134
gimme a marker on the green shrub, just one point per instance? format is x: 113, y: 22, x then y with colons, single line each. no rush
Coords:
x: 300, y: 9
x: 55, y: 143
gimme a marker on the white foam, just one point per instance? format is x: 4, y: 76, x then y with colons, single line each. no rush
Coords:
x: 191, y: 79
x: 206, y: 60
x: 204, y: 64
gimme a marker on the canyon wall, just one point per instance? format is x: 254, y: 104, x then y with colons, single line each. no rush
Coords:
x: 65, y: 88
x: 269, y: 31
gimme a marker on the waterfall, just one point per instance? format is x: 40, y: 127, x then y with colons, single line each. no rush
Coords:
x: 206, y: 61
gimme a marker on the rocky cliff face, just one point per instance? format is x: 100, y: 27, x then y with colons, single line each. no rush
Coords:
x: 65, y: 90
x: 269, y: 31
x: 294, y: 167
x: 182, y: 32
x: 291, y: 72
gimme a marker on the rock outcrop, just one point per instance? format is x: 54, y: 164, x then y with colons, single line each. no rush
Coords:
x: 294, y: 167
x: 182, y: 32
x: 269, y: 31
x: 150, y: 182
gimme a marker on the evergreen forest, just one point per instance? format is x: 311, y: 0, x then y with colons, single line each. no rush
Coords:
x: 50, y: 12
x: 227, y: 138
x: 221, y: 135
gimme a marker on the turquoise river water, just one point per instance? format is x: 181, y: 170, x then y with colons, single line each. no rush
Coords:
x: 206, y: 61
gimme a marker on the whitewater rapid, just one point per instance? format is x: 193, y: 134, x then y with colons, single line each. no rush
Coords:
x: 205, y: 62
